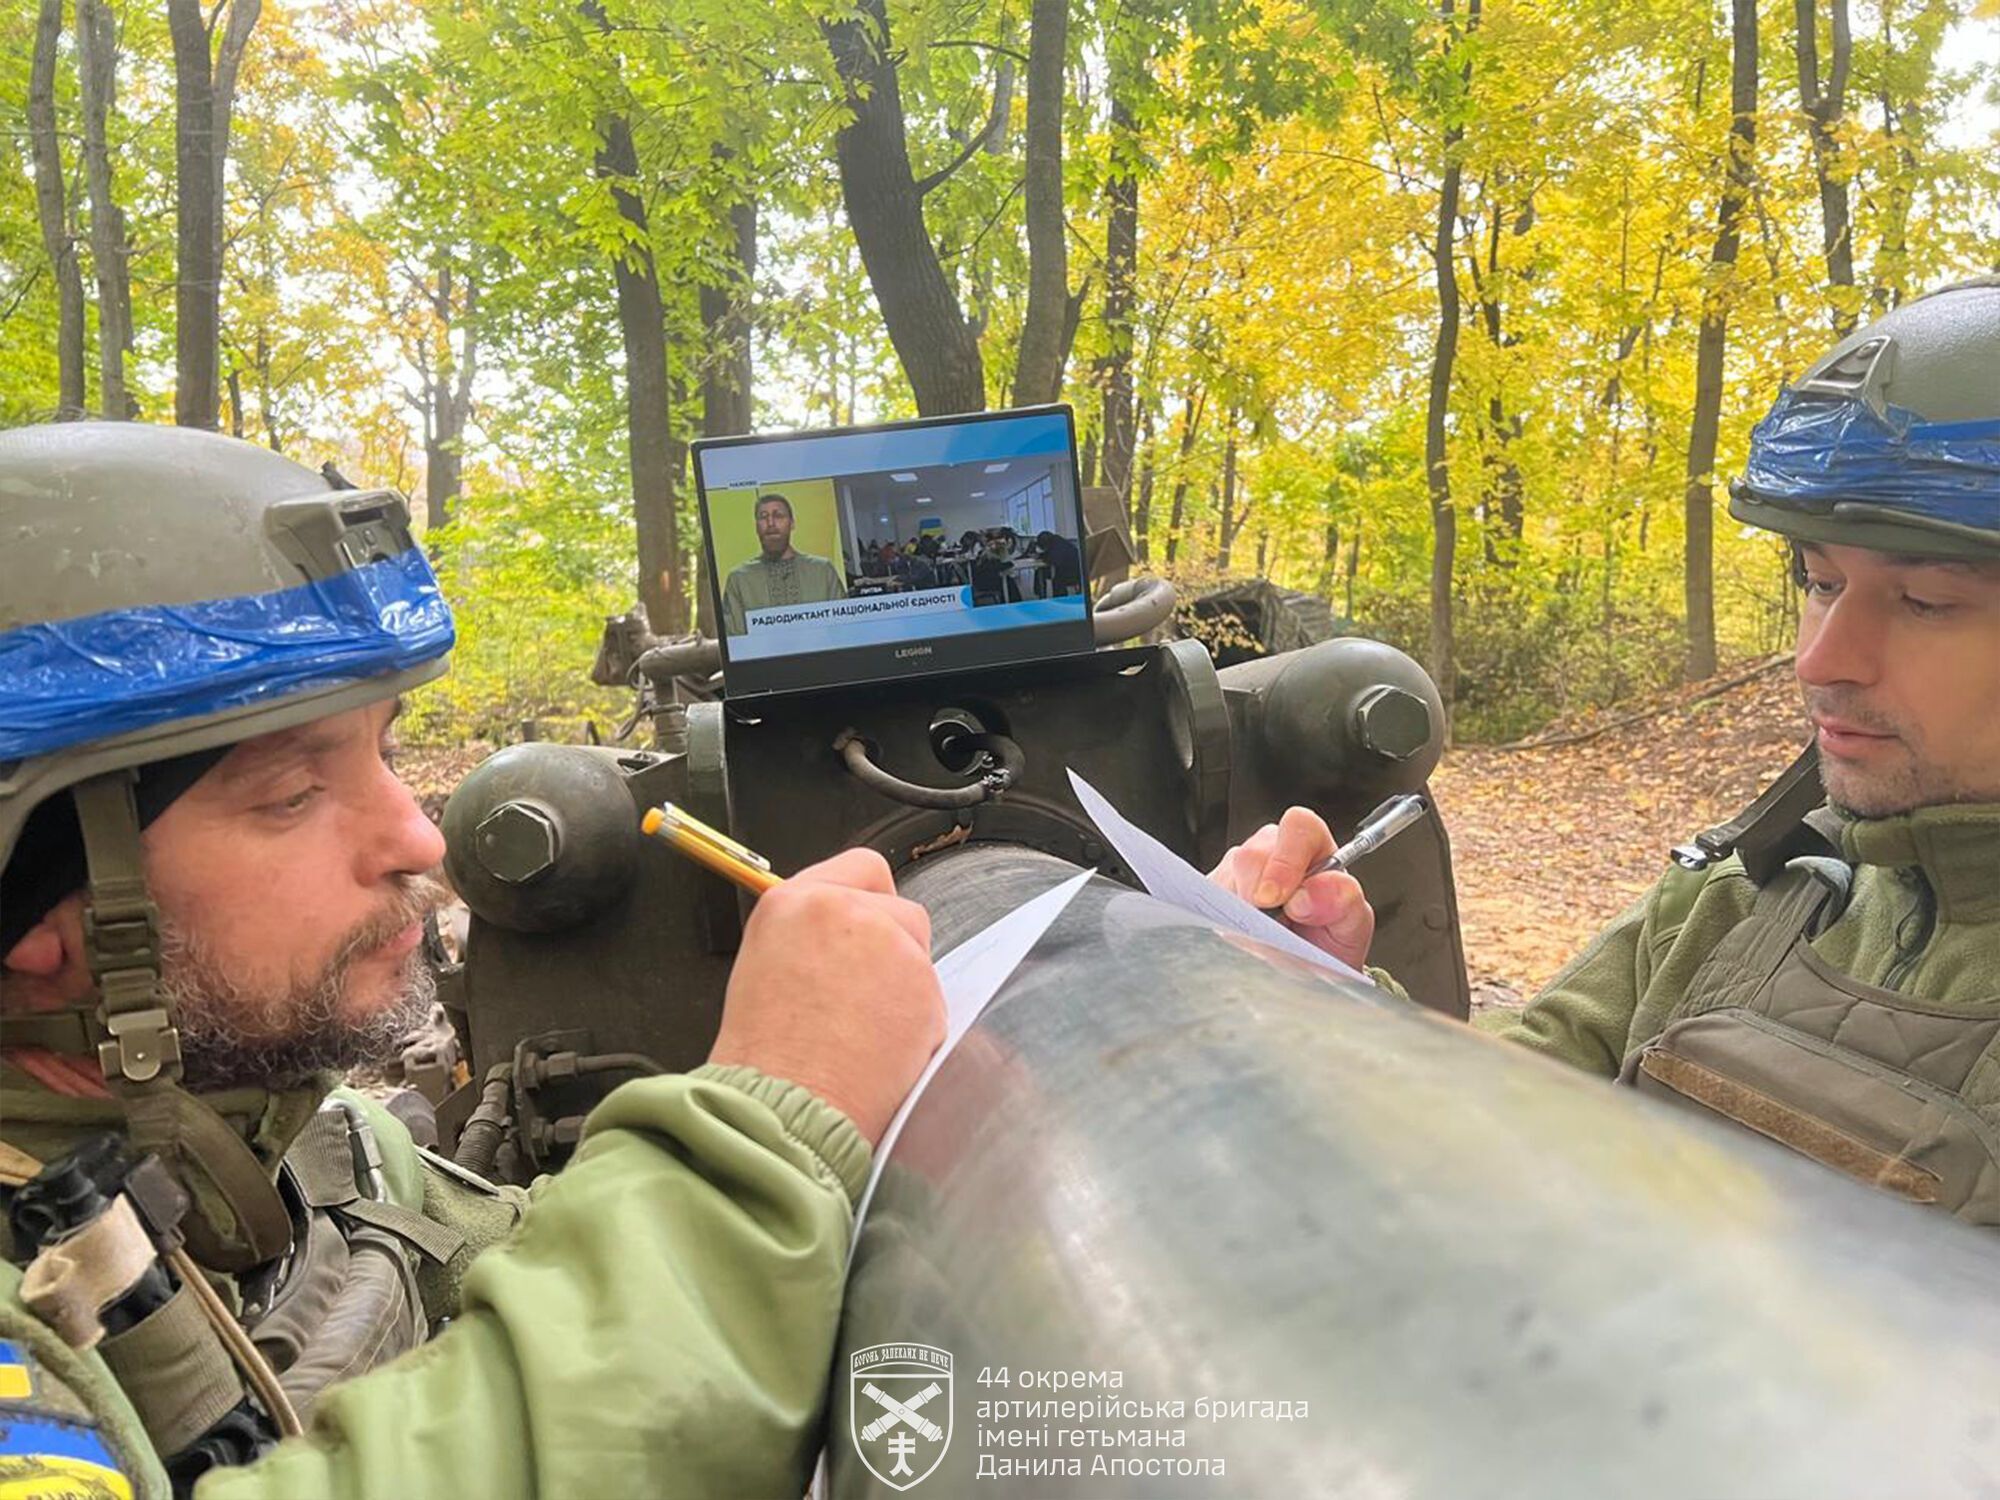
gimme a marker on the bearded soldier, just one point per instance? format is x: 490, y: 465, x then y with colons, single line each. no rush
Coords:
x: 212, y: 898
x: 779, y: 573
x: 1825, y: 968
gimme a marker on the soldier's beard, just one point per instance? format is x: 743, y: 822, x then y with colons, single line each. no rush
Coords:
x: 235, y: 1033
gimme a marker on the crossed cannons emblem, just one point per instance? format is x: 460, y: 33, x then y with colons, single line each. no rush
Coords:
x: 902, y: 1445
x: 900, y: 1411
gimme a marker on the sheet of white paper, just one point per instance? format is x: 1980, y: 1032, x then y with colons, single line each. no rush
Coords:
x: 971, y: 975
x: 1173, y: 880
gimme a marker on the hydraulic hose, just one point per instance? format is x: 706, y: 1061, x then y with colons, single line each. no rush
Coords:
x: 1129, y: 609
x: 479, y: 1141
x: 1004, y: 764
x: 696, y: 656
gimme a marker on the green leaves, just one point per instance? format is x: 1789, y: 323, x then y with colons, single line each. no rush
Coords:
x: 413, y: 194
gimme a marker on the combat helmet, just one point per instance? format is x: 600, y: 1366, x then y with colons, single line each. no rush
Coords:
x: 166, y: 593
x: 1892, y: 441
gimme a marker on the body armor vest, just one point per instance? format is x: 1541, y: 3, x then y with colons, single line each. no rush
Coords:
x: 347, y: 1294
x: 1860, y: 1078
x: 344, y: 1298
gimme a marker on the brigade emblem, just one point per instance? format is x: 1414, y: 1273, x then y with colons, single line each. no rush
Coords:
x: 900, y: 1411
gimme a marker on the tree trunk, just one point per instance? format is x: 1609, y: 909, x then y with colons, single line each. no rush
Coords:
x: 1353, y: 565
x: 45, y: 146
x: 204, y: 94
x: 938, y: 349
x: 1444, y: 520
x: 1230, y: 523
x: 727, y: 382
x: 1002, y: 115
x: 449, y: 396
x: 1823, y: 107
x: 1121, y: 264
x: 1607, y: 613
x: 1649, y: 447
x: 728, y: 374
x: 267, y: 403
x: 1038, y: 367
x: 1504, y: 488
x: 1891, y: 271
x: 1699, y: 500
x: 1190, y: 424
x: 1329, y: 559
x: 642, y: 320
x: 110, y: 250
x: 228, y: 63
x: 1142, y: 508
x: 679, y: 398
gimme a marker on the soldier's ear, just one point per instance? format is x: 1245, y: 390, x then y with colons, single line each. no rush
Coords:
x: 52, y: 944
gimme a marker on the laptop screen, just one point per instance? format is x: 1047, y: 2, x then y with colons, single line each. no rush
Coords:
x: 869, y: 554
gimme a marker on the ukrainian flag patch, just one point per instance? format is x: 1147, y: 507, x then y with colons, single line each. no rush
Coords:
x: 17, y: 1381
x: 47, y: 1457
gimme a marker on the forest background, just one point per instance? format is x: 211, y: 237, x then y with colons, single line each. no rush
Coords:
x: 1458, y: 315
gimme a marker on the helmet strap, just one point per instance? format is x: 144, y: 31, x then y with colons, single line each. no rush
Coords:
x: 238, y: 1218
x: 121, y: 935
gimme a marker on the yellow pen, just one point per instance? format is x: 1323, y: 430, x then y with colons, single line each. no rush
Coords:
x: 704, y: 845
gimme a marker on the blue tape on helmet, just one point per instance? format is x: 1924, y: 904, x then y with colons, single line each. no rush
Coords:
x: 107, y: 674
x: 1811, y: 453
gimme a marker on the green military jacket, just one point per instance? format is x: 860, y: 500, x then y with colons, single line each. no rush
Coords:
x: 799, y: 578
x: 1923, y: 920
x: 660, y: 1323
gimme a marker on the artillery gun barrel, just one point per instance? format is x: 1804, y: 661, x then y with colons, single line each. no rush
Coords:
x: 1165, y: 1155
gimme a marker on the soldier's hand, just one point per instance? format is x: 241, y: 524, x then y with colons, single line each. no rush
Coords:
x: 834, y: 989
x: 1268, y: 870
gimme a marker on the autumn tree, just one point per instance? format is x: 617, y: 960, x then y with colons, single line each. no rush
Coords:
x: 110, y: 245
x: 1717, y: 295
x: 728, y: 298
x: 1048, y: 322
x: 208, y: 53
x: 649, y: 435
x: 1137, y: 99
x: 884, y: 200
x: 1114, y: 373
x: 1823, y: 100
x: 52, y: 207
x: 430, y: 213
x: 1443, y: 655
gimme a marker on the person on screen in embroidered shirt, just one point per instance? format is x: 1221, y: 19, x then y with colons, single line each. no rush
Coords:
x: 778, y: 574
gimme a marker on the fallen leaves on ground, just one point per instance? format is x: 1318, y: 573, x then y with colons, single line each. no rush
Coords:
x: 434, y: 771
x: 1549, y: 845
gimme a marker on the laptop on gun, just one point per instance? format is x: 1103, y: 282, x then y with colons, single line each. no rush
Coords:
x: 872, y: 554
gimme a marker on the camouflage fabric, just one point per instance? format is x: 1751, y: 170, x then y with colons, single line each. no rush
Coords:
x: 1923, y: 920
x: 657, y: 1319
x: 1870, y: 1041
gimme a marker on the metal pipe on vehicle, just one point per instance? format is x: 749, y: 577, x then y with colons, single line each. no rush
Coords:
x: 1130, y: 609
x: 1168, y: 1156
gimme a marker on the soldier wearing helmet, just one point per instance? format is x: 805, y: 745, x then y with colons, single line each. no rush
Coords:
x: 211, y: 890
x: 1824, y: 969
